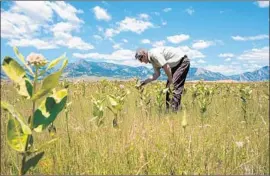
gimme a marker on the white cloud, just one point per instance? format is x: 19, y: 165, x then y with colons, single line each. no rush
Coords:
x: 177, y: 38
x: 117, y: 46
x: 64, y: 27
x: 111, y: 32
x: 126, y: 57
x: 191, y: 53
x: 159, y: 43
x: 72, y: 42
x: 101, y: 14
x: 105, y: 3
x: 225, y: 69
x: 200, y: 61
x: 117, y: 55
x: 163, y: 22
x: 257, y: 55
x: 27, y: 24
x: 66, y: 11
x: 257, y: 37
x: 235, y: 63
x: 228, y: 59
x: 201, y: 44
x: 97, y: 37
x: 226, y: 55
x: 144, y: 16
x: 193, y: 63
x: 233, y: 68
x: 125, y: 40
x: 185, y: 50
x: 263, y: 4
x: 167, y: 9
x: 37, y: 43
x: 134, y: 25
x: 100, y: 29
x: 38, y: 10
x: 15, y: 25
x: 190, y: 10
x: 145, y: 41
x: 122, y: 56
x: 129, y: 24
x: 63, y: 37
x: 156, y: 13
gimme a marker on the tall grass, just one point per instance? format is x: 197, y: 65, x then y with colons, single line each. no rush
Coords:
x: 150, y: 142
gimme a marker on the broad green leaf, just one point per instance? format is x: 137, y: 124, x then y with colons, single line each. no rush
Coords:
x: 15, y: 135
x: 55, y: 62
x: 112, y: 101
x: 97, y: 111
x: 50, y: 82
x: 13, y: 69
x: 25, y: 88
x: 65, y: 62
x: 6, y: 106
x: 17, y: 74
x: 21, y: 57
x: 49, y: 109
x: 118, y: 108
x: 18, y: 54
x: 32, y: 162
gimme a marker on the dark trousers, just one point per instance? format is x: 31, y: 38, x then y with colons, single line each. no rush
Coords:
x: 179, y: 74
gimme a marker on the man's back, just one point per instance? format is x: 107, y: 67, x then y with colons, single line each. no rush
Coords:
x: 170, y: 55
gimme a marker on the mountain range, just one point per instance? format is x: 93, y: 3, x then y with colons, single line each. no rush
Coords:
x: 83, y: 68
x: 103, y: 69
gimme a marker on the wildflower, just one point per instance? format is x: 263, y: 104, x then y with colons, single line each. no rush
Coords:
x: 36, y: 59
x: 121, y: 86
x: 239, y: 144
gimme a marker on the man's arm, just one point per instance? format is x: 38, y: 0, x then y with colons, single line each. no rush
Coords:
x: 151, y: 78
x: 167, y: 70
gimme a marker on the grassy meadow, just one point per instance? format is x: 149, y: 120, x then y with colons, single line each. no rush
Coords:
x: 110, y: 127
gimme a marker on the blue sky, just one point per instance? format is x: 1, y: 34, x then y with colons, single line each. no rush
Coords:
x: 226, y: 37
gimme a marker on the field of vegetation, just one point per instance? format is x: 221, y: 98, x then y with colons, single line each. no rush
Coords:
x: 49, y: 126
x: 110, y: 127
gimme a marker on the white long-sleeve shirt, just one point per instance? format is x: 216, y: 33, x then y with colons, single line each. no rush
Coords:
x: 158, y: 57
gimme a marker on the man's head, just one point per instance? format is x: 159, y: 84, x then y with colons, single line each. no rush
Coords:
x: 142, y: 55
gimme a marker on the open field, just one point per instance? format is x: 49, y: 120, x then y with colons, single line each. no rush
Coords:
x: 222, y: 129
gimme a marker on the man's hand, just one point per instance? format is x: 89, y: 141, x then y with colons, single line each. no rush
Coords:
x: 139, y: 86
